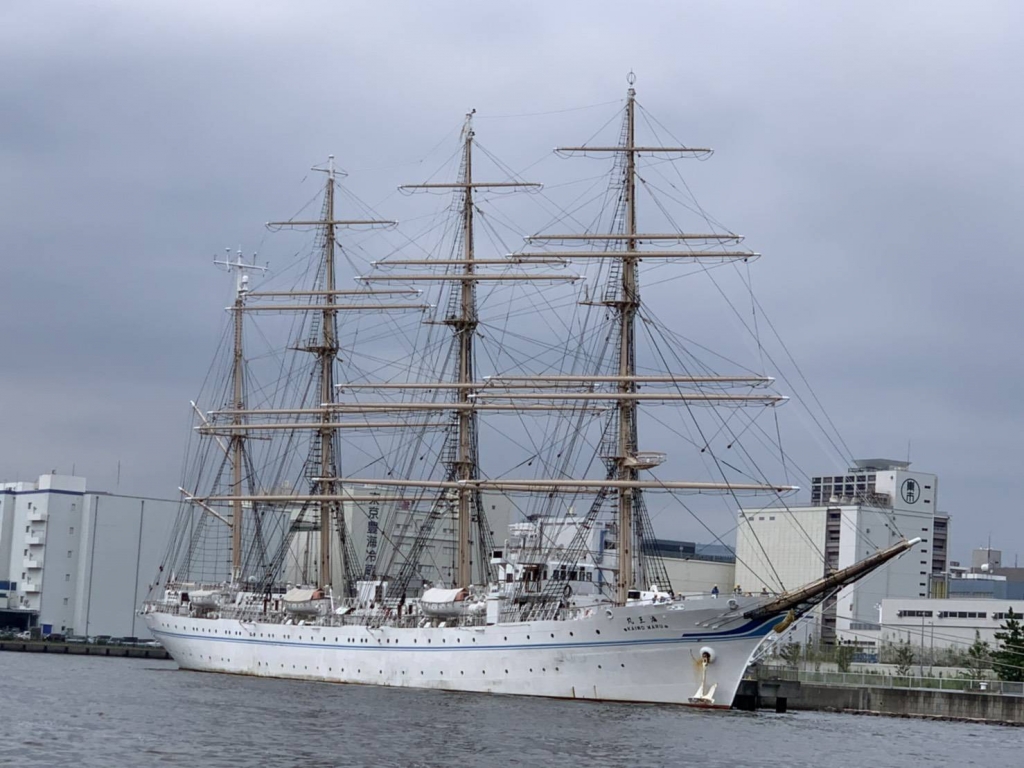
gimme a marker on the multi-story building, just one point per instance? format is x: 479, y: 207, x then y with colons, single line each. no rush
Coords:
x: 72, y: 560
x: 944, y: 623
x: 873, y: 505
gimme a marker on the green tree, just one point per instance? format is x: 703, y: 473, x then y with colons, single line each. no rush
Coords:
x: 1008, y: 659
x: 844, y: 657
x: 903, y: 658
x: 790, y: 652
x: 979, y: 659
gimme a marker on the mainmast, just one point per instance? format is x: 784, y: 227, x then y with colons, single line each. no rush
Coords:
x: 466, y: 464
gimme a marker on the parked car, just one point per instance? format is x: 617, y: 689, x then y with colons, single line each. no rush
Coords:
x: 77, y: 639
x: 102, y: 639
x: 55, y: 637
x: 25, y: 635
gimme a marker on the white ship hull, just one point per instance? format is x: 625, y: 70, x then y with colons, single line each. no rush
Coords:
x: 637, y: 653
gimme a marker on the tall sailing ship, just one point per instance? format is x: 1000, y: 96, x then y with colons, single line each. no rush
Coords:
x: 375, y: 422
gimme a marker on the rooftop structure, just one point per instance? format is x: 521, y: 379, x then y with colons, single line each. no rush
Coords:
x: 872, y: 505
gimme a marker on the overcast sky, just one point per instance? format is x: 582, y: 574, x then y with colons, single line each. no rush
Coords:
x: 871, y: 150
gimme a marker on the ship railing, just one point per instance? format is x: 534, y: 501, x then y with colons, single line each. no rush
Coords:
x: 881, y: 680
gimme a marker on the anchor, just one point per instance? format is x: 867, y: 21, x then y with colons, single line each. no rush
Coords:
x: 705, y: 695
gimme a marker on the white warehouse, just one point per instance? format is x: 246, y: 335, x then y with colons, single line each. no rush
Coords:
x: 944, y: 622
x: 73, y: 560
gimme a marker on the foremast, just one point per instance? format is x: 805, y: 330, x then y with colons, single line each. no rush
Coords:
x: 621, y: 445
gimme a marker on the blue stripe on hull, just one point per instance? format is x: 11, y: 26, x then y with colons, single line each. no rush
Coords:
x: 749, y: 629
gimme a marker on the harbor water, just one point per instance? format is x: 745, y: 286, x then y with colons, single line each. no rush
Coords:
x: 84, y: 711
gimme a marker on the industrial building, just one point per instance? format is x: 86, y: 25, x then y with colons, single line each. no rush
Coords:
x: 78, y: 561
x: 936, y: 623
x: 871, y: 506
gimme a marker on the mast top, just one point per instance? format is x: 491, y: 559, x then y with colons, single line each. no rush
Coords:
x: 240, y: 267
x: 631, y: 79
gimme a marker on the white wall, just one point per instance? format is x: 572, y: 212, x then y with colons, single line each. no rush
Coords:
x: 778, y: 547
x: 699, y: 576
x: 95, y: 570
x: 950, y: 632
x: 125, y: 541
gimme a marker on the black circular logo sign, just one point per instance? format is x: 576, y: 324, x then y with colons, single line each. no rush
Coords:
x: 910, y: 491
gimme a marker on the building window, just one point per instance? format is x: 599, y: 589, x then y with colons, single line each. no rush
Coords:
x: 65, y: 601
x: 71, y: 530
x: 69, y: 553
x: 67, y: 577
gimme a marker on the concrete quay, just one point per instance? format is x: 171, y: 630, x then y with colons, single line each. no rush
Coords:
x: 927, y: 703
x: 84, y: 649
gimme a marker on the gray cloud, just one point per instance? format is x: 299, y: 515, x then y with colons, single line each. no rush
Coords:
x: 871, y: 152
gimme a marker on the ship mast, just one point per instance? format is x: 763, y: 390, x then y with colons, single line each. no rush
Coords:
x: 627, y: 308
x: 326, y: 355
x: 326, y: 482
x: 467, y: 462
x: 624, y: 249
x: 236, y: 449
